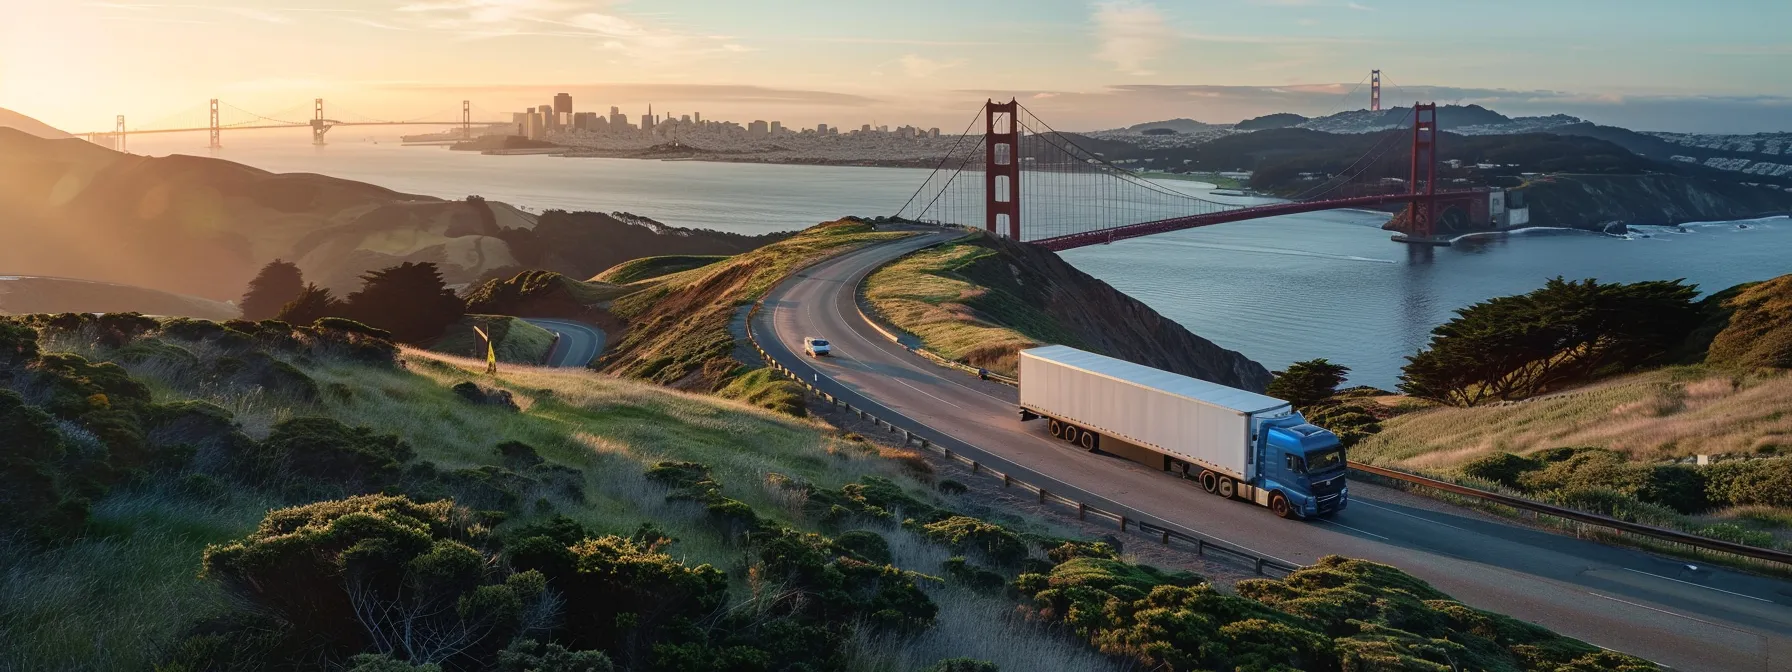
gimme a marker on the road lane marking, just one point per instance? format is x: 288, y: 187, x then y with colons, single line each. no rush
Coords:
x: 1670, y: 613
x: 1697, y: 585
x: 1408, y: 515
x: 1347, y: 527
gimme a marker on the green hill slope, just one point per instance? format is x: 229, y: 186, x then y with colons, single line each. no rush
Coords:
x: 635, y: 270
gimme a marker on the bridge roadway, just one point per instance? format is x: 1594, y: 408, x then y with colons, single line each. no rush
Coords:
x: 1619, y: 598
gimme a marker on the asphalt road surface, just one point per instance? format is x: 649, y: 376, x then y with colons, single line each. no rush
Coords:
x: 579, y: 342
x: 1684, y: 616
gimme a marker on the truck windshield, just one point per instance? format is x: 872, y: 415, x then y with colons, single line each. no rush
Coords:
x: 1320, y: 461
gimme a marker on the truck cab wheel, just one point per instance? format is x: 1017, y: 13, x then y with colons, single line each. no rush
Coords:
x: 1056, y: 428
x: 1227, y: 487
x: 1209, y: 482
x: 1279, y: 505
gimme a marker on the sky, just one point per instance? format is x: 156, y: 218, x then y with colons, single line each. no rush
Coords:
x: 1644, y: 64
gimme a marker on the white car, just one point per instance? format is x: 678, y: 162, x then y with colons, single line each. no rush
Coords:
x: 815, y: 347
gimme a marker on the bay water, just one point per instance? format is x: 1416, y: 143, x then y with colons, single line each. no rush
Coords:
x: 1279, y: 290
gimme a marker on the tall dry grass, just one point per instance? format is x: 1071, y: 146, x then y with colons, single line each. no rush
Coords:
x: 1667, y: 413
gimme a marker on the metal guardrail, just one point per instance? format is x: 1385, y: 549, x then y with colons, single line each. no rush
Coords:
x: 1057, y: 493
x: 889, y: 332
x: 933, y: 357
x: 1662, y: 534
x: 1640, y: 529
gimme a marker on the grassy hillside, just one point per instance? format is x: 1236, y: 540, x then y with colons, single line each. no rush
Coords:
x: 635, y: 270
x: 677, y: 327
x: 1757, y: 328
x: 1667, y: 413
x: 203, y: 226
x: 131, y: 579
x: 544, y: 294
x: 11, y: 119
x: 982, y: 299
x: 23, y: 295
x: 515, y: 341
x: 599, y: 514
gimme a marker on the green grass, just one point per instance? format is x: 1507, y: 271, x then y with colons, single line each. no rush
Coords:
x: 131, y: 585
x: 678, y: 327
x: 645, y: 268
x: 765, y: 388
x: 516, y: 341
x: 928, y: 294
x: 1666, y: 413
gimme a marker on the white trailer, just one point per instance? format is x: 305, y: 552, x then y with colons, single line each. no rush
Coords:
x: 1221, y: 436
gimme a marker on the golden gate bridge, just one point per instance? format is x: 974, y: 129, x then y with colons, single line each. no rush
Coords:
x: 244, y: 120
x: 1026, y: 181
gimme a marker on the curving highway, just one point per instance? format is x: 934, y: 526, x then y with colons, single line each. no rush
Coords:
x: 579, y: 342
x: 1686, y: 617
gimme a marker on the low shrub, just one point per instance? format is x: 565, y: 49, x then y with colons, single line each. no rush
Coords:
x: 321, y: 453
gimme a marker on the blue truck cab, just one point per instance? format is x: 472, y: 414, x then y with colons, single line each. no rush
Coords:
x: 1303, y: 462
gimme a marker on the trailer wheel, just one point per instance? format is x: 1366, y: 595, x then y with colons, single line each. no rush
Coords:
x: 1071, y: 432
x: 1279, y: 505
x: 1090, y: 440
x: 1227, y: 487
x: 1209, y: 481
x: 1056, y: 428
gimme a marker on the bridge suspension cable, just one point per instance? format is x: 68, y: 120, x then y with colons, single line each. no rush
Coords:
x: 1027, y: 181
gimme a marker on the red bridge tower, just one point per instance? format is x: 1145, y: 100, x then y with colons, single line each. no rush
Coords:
x: 1422, y: 211
x: 1001, y: 170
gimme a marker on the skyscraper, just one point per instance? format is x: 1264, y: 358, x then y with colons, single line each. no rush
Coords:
x: 821, y: 129
x: 618, y: 120
x: 549, y: 121
x: 777, y: 127
x: 757, y: 128
x: 647, y: 120
x: 563, y: 103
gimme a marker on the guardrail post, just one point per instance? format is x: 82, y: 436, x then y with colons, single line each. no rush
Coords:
x: 925, y: 445
x: 1259, y: 566
x: 1007, y: 480
x: 975, y: 466
x: 1081, y: 510
x: 908, y: 437
x: 1201, y: 547
x: 1166, y: 537
x: 1123, y: 523
x: 1042, y: 495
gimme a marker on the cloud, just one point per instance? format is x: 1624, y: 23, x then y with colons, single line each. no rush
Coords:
x: 678, y: 93
x: 1130, y: 34
x: 261, y: 15
x: 921, y: 67
x: 620, y: 35
x: 1359, y: 7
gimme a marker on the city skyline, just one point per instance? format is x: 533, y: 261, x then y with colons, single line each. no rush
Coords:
x: 1654, y: 65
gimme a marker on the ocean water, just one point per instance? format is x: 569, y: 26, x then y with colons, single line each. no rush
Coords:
x: 1279, y: 290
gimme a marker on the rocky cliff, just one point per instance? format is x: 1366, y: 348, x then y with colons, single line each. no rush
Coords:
x: 1595, y: 202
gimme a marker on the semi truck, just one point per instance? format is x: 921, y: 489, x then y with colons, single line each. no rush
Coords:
x: 1234, y: 443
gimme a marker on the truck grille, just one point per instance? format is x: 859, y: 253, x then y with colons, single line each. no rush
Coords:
x: 1330, y: 486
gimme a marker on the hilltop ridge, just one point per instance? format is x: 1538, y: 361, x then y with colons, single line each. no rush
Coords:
x: 203, y: 226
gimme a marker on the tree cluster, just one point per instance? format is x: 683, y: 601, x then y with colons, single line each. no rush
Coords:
x: 409, y: 302
x: 1564, y: 334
